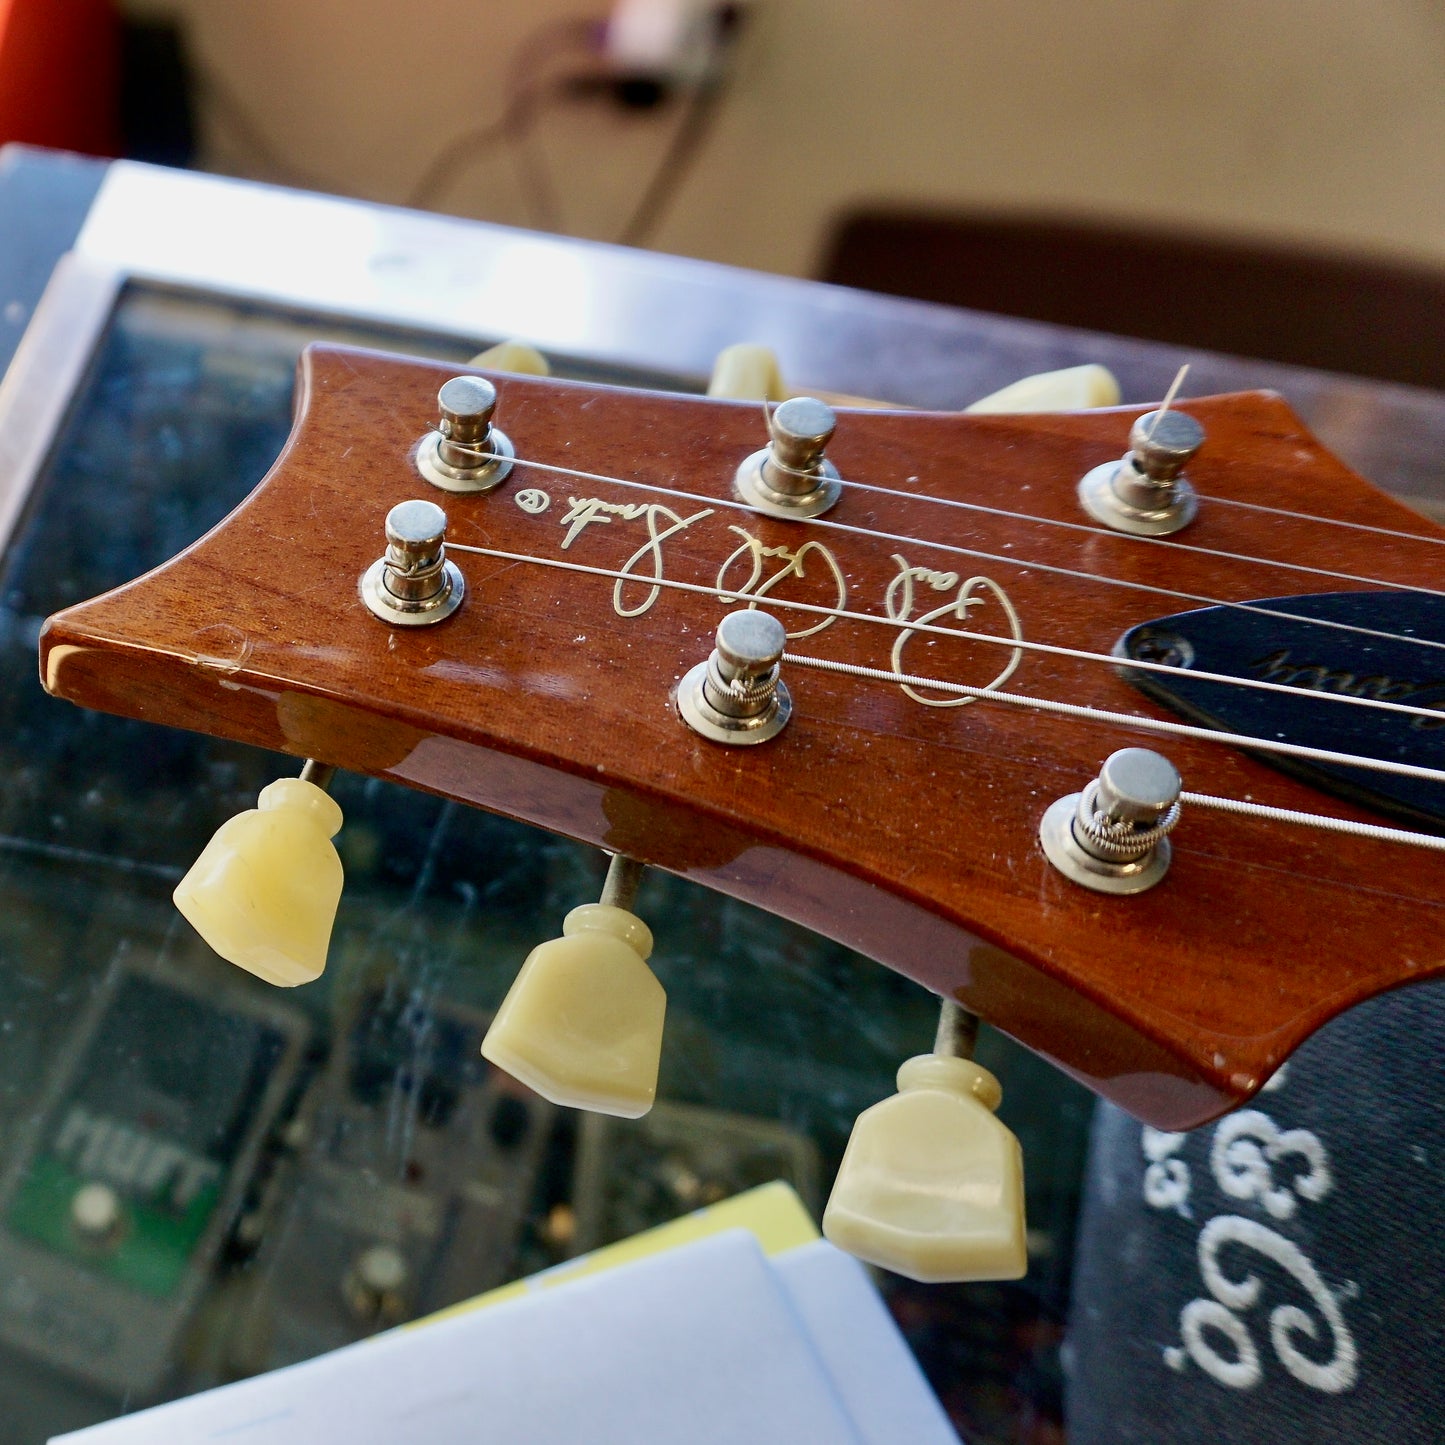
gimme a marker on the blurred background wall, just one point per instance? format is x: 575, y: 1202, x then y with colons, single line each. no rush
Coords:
x: 1315, y: 121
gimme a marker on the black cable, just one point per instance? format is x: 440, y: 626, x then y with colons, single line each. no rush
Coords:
x: 682, y: 150
x: 686, y: 143
x: 470, y: 146
x: 526, y: 100
x: 232, y: 111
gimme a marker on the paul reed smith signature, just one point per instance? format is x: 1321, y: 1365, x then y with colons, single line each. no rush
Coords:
x: 753, y: 571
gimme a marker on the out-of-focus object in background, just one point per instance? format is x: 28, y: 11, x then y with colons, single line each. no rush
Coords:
x: 58, y: 74
x: 678, y: 42
x: 747, y: 371
x: 642, y: 55
x: 117, y: 1197
x: 1359, y: 314
x: 410, y: 1186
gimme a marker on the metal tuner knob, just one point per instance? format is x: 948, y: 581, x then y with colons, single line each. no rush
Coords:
x: 791, y: 476
x: 1113, y: 836
x: 465, y: 452
x: 1146, y: 493
x: 737, y: 695
x: 412, y: 584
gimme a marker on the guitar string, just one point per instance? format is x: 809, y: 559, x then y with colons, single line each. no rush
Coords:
x: 1013, y: 644
x: 1163, y: 407
x: 1252, y: 809
x: 1022, y: 564
x: 1168, y: 399
x: 1095, y: 529
x: 1208, y: 800
x: 1325, y: 521
x: 1231, y: 501
x: 1168, y: 542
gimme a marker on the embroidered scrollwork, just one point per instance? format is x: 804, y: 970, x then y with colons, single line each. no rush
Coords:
x: 1247, y: 1147
x: 1296, y: 1334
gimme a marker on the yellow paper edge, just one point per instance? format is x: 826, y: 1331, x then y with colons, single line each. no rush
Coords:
x: 772, y: 1213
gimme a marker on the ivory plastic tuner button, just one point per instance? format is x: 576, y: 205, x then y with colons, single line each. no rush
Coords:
x: 931, y: 1185
x: 264, y: 891
x: 1073, y: 388
x: 582, y: 1022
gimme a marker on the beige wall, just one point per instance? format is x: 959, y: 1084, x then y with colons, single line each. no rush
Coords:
x: 1319, y: 119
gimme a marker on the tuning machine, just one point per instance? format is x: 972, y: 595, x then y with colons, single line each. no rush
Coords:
x: 737, y: 696
x: 1146, y: 492
x: 1113, y: 836
x: 465, y: 452
x: 931, y: 1183
x: 791, y: 476
x: 412, y: 584
x: 582, y: 1023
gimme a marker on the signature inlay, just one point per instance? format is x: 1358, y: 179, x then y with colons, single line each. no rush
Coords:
x: 587, y: 511
x: 753, y: 570
x: 898, y: 600
x: 755, y: 586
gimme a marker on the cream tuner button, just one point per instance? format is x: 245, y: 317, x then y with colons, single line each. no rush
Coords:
x: 582, y: 1022
x: 931, y: 1185
x: 265, y: 889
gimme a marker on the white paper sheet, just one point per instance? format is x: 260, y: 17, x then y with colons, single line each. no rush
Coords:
x: 870, y: 1365
x: 709, y: 1344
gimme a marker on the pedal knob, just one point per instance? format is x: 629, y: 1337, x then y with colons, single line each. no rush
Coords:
x: 931, y: 1185
x: 265, y: 889
x: 582, y: 1023
x: 96, y: 1215
x: 375, y: 1286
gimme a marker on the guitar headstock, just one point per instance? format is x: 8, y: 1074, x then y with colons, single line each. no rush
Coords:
x: 898, y: 818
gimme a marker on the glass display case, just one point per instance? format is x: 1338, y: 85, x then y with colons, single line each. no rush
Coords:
x: 264, y: 1146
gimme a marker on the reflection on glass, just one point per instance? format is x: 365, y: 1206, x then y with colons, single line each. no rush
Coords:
x: 201, y: 1177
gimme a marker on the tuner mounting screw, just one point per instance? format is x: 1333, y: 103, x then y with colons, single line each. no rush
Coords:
x: 465, y: 452
x: 413, y: 584
x: 1112, y: 837
x: 736, y: 696
x: 791, y: 477
x: 1147, y: 493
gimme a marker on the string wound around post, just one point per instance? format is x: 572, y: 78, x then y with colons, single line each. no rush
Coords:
x: 1113, y: 836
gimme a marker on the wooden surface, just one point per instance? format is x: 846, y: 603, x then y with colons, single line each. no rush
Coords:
x: 904, y: 831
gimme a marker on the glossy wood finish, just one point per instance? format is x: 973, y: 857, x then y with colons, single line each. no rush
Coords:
x: 905, y: 831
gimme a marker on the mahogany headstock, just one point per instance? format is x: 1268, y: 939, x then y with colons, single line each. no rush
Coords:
x: 907, y: 831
